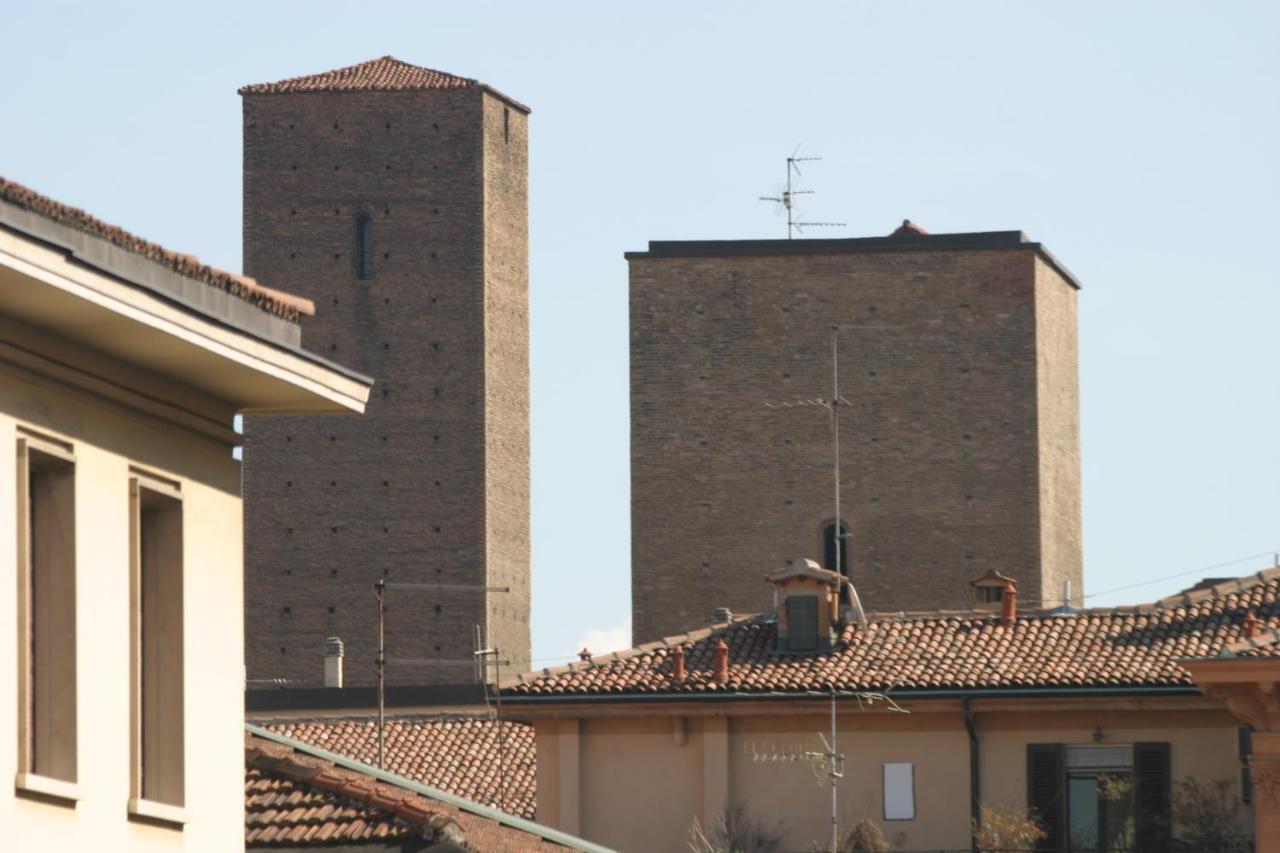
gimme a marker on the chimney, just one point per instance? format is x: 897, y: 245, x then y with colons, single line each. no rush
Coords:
x: 677, y: 663
x: 584, y: 655
x: 722, y: 614
x: 1009, y: 605
x: 720, y: 661
x: 333, y: 662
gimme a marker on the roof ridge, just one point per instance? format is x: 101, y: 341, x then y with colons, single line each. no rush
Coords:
x: 635, y: 651
x: 278, y: 302
x: 1219, y: 590
x: 431, y: 792
x: 390, y: 717
x: 401, y: 803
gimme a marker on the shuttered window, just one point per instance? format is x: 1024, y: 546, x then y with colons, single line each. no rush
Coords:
x: 802, y: 623
x: 1095, y: 797
x: 1151, y: 773
x: 1046, y: 776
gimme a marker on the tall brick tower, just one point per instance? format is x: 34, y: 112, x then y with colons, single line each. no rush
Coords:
x: 960, y: 446
x: 396, y: 198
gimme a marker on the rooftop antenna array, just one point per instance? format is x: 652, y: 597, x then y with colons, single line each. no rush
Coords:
x: 786, y: 197
x: 380, y: 589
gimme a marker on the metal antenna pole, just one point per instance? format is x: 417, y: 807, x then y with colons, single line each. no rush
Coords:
x: 835, y: 820
x: 379, y: 589
x: 839, y: 532
x: 502, y: 738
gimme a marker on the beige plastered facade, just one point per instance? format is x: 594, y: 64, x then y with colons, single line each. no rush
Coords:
x: 131, y: 384
x: 636, y: 776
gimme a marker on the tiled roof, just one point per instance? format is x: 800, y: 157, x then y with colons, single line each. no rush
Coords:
x: 276, y: 302
x: 1123, y: 647
x: 384, y: 74
x: 455, y: 753
x: 294, y: 799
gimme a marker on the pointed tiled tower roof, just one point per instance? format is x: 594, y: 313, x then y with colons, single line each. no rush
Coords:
x: 385, y: 74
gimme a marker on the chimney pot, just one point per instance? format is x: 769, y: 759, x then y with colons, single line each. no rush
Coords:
x: 677, y: 663
x: 333, y: 654
x: 585, y: 654
x: 720, y: 661
x: 1009, y: 605
x: 722, y: 614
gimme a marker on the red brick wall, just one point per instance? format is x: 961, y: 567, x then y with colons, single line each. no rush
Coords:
x: 943, y: 448
x: 333, y: 503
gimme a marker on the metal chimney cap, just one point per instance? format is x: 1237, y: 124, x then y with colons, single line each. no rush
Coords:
x: 722, y: 614
x: 333, y: 647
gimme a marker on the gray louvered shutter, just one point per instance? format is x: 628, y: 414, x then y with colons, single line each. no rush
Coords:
x: 1046, y: 794
x: 1151, y: 773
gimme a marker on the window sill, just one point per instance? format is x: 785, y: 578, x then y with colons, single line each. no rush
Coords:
x: 47, y: 786
x: 160, y: 812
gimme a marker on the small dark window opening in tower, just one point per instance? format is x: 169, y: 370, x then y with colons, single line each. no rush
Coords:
x: 506, y: 124
x: 829, y: 543
x: 364, y: 246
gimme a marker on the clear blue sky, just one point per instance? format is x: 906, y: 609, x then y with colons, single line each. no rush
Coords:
x: 1137, y: 140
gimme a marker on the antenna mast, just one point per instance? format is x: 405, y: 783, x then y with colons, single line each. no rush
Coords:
x: 833, y: 405
x: 787, y: 195
x: 380, y: 588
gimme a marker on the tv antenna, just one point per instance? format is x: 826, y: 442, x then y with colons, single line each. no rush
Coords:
x: 829, y: 761
x: 786, y: 197
x: 380, y: 589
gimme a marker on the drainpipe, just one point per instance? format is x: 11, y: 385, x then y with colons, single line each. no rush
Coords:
x: 975, y: 787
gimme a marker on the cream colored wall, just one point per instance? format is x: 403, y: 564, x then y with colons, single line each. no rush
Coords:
x: 622, y: 755
x: 106, y: 441
x: 1203, y: 744
x: 638, y: 790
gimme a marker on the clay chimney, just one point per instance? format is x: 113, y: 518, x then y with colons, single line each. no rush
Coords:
x: 1250, y: 625
x: 1009, y: 605
x: 720, y: 661
x: 677, y: 663
x: 584, y: 655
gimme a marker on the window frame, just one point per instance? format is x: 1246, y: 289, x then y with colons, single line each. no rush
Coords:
x: 146, y: 492
x: 35, y: 453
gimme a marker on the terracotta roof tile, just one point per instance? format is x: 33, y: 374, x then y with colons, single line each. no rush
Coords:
x: 1107, y: 647
x: 457, y: 753
x: 276, y: 302
x: 384, y: 74
x: 293, y: 799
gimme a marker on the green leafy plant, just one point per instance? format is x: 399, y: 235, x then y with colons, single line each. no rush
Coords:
x: 1005, y: 828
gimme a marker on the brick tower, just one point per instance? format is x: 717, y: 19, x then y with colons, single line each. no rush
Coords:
x: 396, y: 198
x: 960, y: 448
